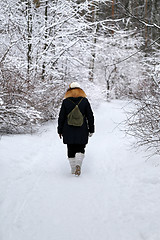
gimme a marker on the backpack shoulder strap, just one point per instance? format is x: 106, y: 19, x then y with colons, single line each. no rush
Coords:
x: 74, y: 102
x: 80, y: 101
x: 71, y: 101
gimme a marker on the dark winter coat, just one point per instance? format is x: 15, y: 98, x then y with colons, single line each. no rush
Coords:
x: 72, y: 134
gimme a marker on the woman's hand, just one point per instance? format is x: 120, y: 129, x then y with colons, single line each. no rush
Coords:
x: 90, y: 134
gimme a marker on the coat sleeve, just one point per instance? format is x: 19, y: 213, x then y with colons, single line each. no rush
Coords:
x: 61, y: 119
x: 90, y: 117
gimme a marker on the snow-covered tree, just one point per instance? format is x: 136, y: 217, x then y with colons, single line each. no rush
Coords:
x: 144, y: 120
x: 47, y: 44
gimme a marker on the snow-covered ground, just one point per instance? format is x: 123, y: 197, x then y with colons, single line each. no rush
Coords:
x: 117, y: 197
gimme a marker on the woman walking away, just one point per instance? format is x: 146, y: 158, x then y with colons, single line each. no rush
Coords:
x: 75, y: 125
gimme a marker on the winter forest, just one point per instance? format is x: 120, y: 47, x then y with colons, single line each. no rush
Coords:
x: 111, y: 46
x: 112, y: 49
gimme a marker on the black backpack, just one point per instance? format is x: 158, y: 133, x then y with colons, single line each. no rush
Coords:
x: 75, y: 117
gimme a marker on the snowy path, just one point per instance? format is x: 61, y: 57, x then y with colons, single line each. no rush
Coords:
x: 116, y: 198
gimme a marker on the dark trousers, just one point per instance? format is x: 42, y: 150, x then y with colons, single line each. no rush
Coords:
x: 75, y: 148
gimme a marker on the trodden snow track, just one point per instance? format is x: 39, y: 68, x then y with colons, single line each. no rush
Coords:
x: 115, y: 198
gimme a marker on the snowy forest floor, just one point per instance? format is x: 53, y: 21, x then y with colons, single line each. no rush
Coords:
x: 116, y: 197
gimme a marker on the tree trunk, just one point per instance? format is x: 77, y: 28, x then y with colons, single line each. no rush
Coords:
x: 29, y: 33
x: 112, y: 12
x: 154, y: 19
x: 93, y: 55
x: 130, y: 6
x: 146, y: 28
x: 93, y: 47
x: 45, y: 45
